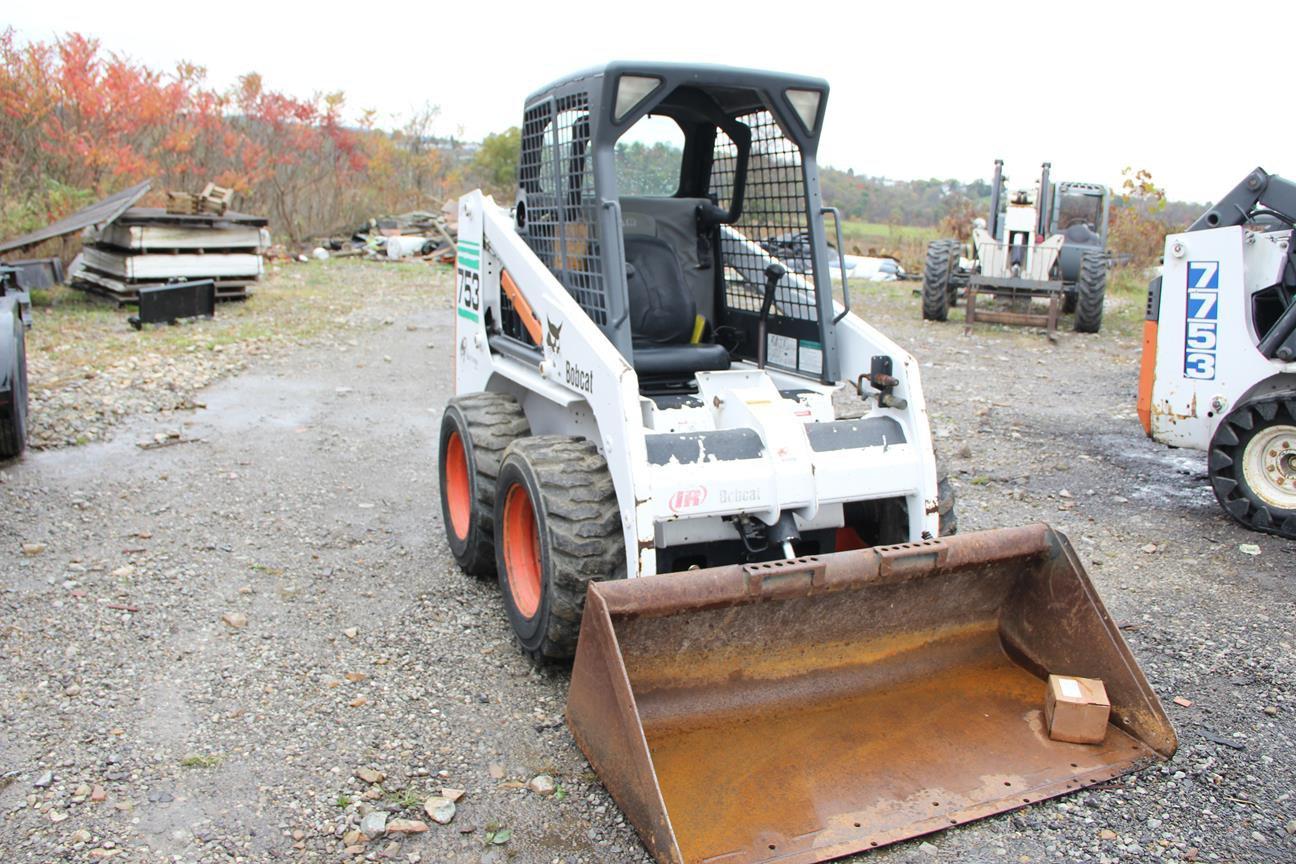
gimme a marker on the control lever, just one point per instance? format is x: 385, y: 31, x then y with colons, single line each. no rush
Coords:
x: 773, y: 273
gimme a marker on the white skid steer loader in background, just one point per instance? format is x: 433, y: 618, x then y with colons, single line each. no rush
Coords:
x: 1219, y: 350
x: 672, y: 446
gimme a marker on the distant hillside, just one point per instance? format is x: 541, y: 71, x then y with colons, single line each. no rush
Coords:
x: 926, y: 202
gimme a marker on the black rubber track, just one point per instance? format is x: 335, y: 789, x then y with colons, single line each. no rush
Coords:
x: 580, y: 537
x: 1224, y: 463
x: 13, y: 421
x: 1091, y: 289
x: 942, y: 261
x: 491, y: 421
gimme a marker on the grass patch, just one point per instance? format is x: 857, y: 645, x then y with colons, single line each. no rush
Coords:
x: 1126, y: 301
x: 406, y: 799
x: 73, y: 330
x: 201, y: 760
x: 852, y: 229
x: 83, y: 355
x: 908, y: 243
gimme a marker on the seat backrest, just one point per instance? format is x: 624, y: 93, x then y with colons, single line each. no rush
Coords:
x: 674, y: 221
x: 661, y: 310
x: 1081, y: 234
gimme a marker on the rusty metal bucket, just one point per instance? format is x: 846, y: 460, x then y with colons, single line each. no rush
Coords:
x: 808, y: 709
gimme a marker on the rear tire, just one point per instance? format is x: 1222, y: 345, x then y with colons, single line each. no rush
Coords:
x: 1091, y: 289
x: 475, y: 430
x: 13, y: 420
x: 557, y: 528
x: 942, y: 261
x: 1252, y: 464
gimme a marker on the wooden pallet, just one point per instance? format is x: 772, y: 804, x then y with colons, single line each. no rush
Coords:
x: 124, y: 292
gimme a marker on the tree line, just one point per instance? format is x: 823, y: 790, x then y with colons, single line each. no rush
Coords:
x: 78, y: 123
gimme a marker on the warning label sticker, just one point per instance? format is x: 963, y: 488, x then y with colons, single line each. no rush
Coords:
x: 811, y: 357
x: 781, y: 350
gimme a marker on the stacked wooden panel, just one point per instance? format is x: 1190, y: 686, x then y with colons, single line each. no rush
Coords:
x: 147, y: 246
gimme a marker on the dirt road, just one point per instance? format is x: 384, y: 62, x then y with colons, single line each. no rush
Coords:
x: 214, y: 637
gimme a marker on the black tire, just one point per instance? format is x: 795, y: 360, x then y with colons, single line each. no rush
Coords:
x: 1262, y: 496
x: 1068, y: 301
x: 945, y: 506
x: 958, y: 279
x: 13, y: 419
x: 483, y: 425
x: 557, y: 528
x: 941, y: 264
x: 1091, y: 289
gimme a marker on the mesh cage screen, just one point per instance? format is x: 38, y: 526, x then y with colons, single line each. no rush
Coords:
x: 773, y: 218
x: 556, y: 170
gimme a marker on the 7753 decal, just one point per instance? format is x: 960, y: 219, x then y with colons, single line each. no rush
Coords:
x: 1201, y: 330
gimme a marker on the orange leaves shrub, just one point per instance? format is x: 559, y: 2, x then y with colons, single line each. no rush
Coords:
x: 1137, y: 224
x: 77, y: 123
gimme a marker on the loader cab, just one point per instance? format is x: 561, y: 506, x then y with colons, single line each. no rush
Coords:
x: 1079, y: 212
x: 655, y: 192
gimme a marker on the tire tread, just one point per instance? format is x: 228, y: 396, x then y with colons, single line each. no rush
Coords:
x: 584, y: 522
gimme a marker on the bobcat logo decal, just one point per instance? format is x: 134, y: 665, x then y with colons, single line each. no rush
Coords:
x: 555, y: 334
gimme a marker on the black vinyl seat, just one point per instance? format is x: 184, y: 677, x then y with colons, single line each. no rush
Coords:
x: 662, y: 314
x: 1081, y: 234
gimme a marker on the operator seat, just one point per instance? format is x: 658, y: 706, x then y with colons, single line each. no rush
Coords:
x: 1080, y: 234
x: 662, y: 314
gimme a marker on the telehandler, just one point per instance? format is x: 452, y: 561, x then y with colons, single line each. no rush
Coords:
x: 1219, y: 350
x: 1047, y: 242
x: 693, y: 467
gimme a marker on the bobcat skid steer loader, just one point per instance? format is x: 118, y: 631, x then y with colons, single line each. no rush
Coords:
x: 672, y: 446
x: 1219, y: 350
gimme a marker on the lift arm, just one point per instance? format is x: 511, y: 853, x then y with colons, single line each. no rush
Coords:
x: 1259, y: 188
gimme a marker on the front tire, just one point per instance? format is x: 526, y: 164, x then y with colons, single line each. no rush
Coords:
x: 938, y: 273
x: 1252, y: 464
x: 1091, y: 290
x: 557, y: 528
x: 475, y: 430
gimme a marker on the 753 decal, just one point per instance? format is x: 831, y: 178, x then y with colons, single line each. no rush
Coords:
x: 1201, y: 330
x: 469, y: 282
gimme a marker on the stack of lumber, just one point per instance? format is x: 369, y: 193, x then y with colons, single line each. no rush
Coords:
x: 147, y: 247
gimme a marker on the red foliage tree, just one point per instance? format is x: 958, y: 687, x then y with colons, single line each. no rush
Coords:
x: 76, y: 123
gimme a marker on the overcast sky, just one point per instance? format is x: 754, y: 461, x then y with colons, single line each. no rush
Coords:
x: 918, y: 89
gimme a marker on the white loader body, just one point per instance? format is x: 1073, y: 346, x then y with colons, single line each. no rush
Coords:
x: 741, y: 445
x: 1206, y: 359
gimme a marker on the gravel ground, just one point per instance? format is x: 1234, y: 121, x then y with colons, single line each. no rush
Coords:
x: 90, y: 370
x: 241, y: 647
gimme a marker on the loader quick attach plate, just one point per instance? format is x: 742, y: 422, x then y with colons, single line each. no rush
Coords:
x: 808, y: 709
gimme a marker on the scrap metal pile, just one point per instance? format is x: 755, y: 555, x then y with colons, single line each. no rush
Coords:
x: 417, y: 234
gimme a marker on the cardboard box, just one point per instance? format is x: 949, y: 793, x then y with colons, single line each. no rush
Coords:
x: 1076, y: 709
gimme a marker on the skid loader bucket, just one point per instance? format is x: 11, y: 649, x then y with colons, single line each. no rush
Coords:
x: 806, y: 709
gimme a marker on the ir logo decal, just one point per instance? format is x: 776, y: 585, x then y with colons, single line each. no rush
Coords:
x: 1201, y: 327
x: 687, y: 499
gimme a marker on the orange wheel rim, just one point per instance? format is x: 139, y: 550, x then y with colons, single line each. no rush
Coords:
x: 522, y: 551
x: 458, y: 489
